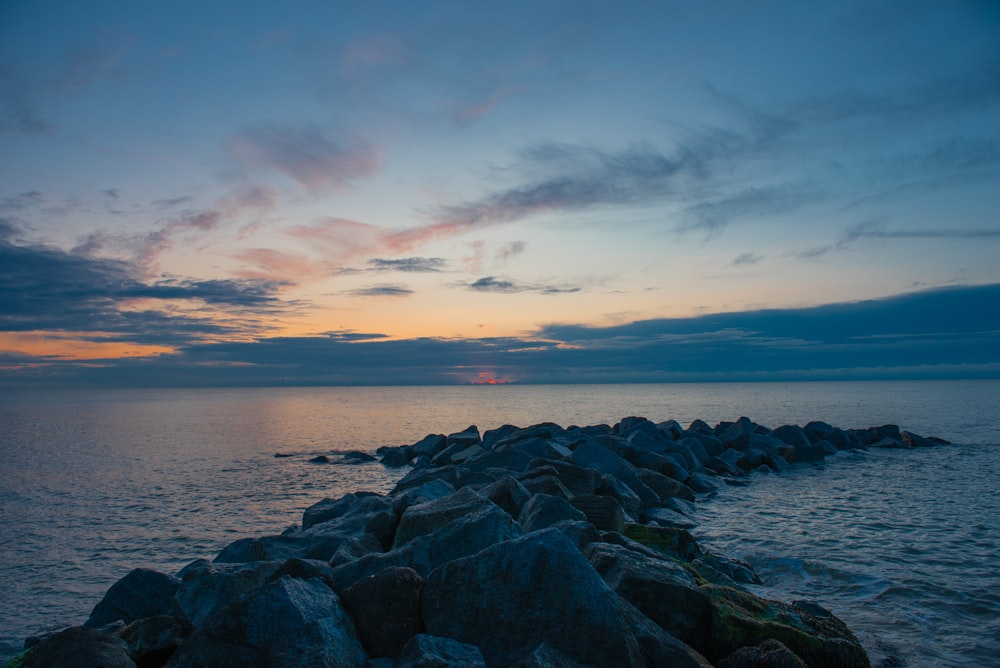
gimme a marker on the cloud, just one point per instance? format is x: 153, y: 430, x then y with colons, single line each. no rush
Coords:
x: 502, y: 285
x: 384, y: 290
x: 509, y: 250
x: 747, y: 258
x: 712, y: 215
x: 408, y: 264
x: 47, y: 289
x: 306, y: 154
x: 877, y: 229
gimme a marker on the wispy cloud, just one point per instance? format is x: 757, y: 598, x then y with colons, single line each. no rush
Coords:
x: 408, y: 264
x: 748, y: 258
x: 306, y: 154
x: 509, y: 250
x: 503, y: 285
x: 384, y: 290
x: 878, y: 229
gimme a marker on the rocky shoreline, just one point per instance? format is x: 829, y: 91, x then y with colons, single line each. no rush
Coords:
x: 532, y: 547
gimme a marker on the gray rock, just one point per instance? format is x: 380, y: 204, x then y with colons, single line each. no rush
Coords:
x: 153, y: 640
x: 288, y: 622
x: 507, y: 493
x: 615, y: 488
x: 429, y: 445
x: 77, y: 647
x: 768, y: 654
x: 429, y: 491
x: 547, y: 484
x: 465, y: 438
x: 141, y: 593
x: 544, y: 510
x: 591, y: 455
x: 707, y: 441
x: 736, y: 435
x: 545, y: 656
x: 663, y: 590
x: 701, y: 483
x: 461, y: 537
x: 791, y: 434
x: 206, y: 587
x: 577, y: 479
x: 386, y: 609
x: 397, y: 456
x: 665, y: 487
x: 808, y: 453
x: 285, y: 546
x: 571, y: 608
x: 604, y: 512
x: 426, y: 651
x: 425, y: 518
x: 493, y: 436
x: 667, y: 517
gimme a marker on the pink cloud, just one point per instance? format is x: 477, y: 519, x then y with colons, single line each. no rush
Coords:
x: 271, y: 264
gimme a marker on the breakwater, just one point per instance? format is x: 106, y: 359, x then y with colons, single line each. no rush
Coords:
x: 580, y: 554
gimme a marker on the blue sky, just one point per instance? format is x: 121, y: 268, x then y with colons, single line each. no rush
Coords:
x: 378, y: 192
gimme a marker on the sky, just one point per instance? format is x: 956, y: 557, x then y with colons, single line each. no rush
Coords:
x: 300, y: 193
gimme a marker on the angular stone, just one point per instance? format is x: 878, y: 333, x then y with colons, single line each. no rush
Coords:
x: 386, y: 609
x: 739, y: 619
x: 153, y: 640
x: 768, y: 654
x: 459, y: 538
x: 523, y: 592
x: 465, y: 438
x: 577, y: 479
x: 141, y: 593
x: 661, y: 589
x: 604, y: 512
x: 507, y: 493
x: 426, y: 651
x: 664, y: 487
x: 288, y: 622
x: 544, y: 510
x: 545, y: 656
x: 77, y: 647
x: 429, y: 445
x: 425, y: 518
x: 206, y: 587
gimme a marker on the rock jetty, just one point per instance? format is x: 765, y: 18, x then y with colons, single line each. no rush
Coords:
x: 538, y: 547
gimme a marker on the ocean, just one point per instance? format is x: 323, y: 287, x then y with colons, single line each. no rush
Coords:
x: 902, y: 545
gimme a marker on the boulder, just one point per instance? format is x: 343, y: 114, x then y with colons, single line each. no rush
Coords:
x: 536, y: 589
x: 813, y: 452
x: 545, y: 656
x: 791, y: 434
x: 591, y: 455
x: 465, y: 438
x: 141, y: 593
x: 206, y: 587
x: 426, y: 651
x: 667, y: 517
x: 424, y: 518
x: 673, y: 542
x: 284, y: 546
x: 429, y: 445
x: 546, y: 483
x: 153, y: 640
x: 355, y: 457
x: 397, y: 456
x: 507, y: 493
x: 288, y: 622
x: 739, y: 619
x: 615, y: 488
x: 711, y: 444
x: 493, y: 436
x: 665, y: 487
x: 768, y: 654
x: 577, y: 479
x: 459, y: 538
x: 661, y: 589
x: 604, y: 512
x: 737, y: 434
x: 328, y: 509
x: 386, y: 609
x: 544, y: 510
x: 77, y: 647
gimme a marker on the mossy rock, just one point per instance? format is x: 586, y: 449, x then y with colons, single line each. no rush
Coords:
x: 739, y: 619
x: 677, y: 543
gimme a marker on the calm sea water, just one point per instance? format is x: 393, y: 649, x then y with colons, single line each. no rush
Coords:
x: 901, y: 545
